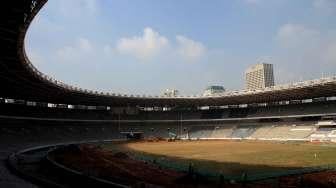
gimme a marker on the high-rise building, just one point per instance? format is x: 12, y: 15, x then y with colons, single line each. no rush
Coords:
x: 259, y: 76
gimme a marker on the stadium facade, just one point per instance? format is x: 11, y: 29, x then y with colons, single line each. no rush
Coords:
x: 36, y: 109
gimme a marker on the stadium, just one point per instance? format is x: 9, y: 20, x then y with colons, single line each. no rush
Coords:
x: 56, y: 135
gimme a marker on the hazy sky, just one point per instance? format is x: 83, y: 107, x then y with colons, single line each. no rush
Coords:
x: 146, y: 46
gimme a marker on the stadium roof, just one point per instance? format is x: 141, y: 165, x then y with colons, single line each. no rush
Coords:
x: 19, y: 79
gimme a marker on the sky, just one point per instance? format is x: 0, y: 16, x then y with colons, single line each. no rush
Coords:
x: 147, y: 46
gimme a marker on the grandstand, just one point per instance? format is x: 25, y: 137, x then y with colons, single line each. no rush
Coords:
x: 36, y: 109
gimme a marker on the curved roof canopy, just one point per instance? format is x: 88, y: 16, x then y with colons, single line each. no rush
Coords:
x: 19, y: 79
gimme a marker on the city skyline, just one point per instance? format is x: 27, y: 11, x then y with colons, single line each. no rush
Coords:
x: 121, y: 47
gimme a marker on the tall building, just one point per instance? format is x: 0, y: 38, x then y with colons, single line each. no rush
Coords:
x: 259, y: 76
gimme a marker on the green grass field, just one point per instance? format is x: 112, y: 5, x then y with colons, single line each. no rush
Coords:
x: 234, y: 157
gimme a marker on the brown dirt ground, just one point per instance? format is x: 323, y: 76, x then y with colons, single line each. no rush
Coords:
x: 276, y: 154
x: 109, y: 164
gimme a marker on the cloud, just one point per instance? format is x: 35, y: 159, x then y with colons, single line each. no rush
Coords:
x: 77, y: 8
x: 331, y: 52
x: 35, y: 57
x: 146, y: 46
x: 325, y: 5
x: 307, y: 41
x: 76, y: 51
x: 253, y: 1
x: 84, y: 44
x: 108, y: 49
x: 189, y: 49
x: 151, y: 44
x: 296, y: 35
x: 304, y: 51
